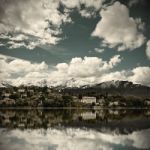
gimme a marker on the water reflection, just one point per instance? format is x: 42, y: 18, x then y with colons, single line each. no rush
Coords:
x: 74, y: 129
x: 72, y: 139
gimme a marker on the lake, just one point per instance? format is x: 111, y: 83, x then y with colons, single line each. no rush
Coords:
x: 74, y: 129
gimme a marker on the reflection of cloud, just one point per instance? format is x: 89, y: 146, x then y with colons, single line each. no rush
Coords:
x: 71, y: 139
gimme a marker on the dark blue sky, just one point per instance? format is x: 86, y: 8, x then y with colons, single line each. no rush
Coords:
x: 78, y: 42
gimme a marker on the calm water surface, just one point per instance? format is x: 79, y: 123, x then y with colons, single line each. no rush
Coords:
x: 74, y: 129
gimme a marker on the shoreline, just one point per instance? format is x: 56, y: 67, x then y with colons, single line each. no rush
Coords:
x: 55, y: 108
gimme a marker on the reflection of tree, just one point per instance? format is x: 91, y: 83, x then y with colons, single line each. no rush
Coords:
x: 48, y: 118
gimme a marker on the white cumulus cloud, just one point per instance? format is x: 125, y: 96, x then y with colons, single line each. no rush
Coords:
x: 31, y: 23
x: 34, y: 21
x: 141, y: 75
x: 78, y: 72
x: 97, y: 4
x: 18, y: 71
x: 117, y: 28
x: 82, y: 71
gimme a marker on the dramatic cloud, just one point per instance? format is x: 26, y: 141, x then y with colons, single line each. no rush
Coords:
x: 97, y: 4
x: 34, y: 22
x: 148, y: 49
x: 117, y: 28
x: 18, y: 71
x: 31, y: 23
x: 78, y: 72
x: 82, y: 71
x: 90, y: 6
x: 72, y: 139
x: 141, y: 75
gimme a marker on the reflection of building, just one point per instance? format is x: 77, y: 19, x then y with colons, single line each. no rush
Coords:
x: 147, y: 113
x: 88, y: 100
x: 101, y: 113
x: 88, y: 115
x: 147, y: 102
x: 116, y: 103
x: 116, y: 112
x: 113, y: 112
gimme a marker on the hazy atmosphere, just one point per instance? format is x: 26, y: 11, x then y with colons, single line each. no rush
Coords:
x: 74, y: 74
x: 74, y: 42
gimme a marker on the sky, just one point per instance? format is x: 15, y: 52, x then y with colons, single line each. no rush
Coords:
x: 74, y: 43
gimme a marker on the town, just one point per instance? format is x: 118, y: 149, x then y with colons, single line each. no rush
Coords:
x: 34, y: 96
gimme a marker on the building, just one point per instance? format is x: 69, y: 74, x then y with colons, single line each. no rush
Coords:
x: 75, y: 99
x: 21, y: 90
x: 100, y: 101
x: 88, y: 100
x: 31, y: 91
x: 24, y: 95
x: 7, y: 95
x: 116, y: 103
x: 7, y: 101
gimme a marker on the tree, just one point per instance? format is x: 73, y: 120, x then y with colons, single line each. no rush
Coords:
x: 67, y: 100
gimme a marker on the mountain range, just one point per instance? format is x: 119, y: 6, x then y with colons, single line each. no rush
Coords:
x: 124, y: 88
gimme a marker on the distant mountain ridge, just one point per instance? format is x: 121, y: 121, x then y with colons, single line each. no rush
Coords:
x: 4, y: 84
x: 125, y: 88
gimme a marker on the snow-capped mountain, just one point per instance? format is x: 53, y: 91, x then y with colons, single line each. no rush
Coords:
x: 113, y: 87
x: 110, y: 87
x: 118, y: 84
x: 4, y: 84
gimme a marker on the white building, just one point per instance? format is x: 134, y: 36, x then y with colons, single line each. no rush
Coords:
x: 75, y: 99
x: 7, y: 95
x: 31, y: 91
x: 101, y: 101
x: 88, y: 100
x: 21, y: 90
